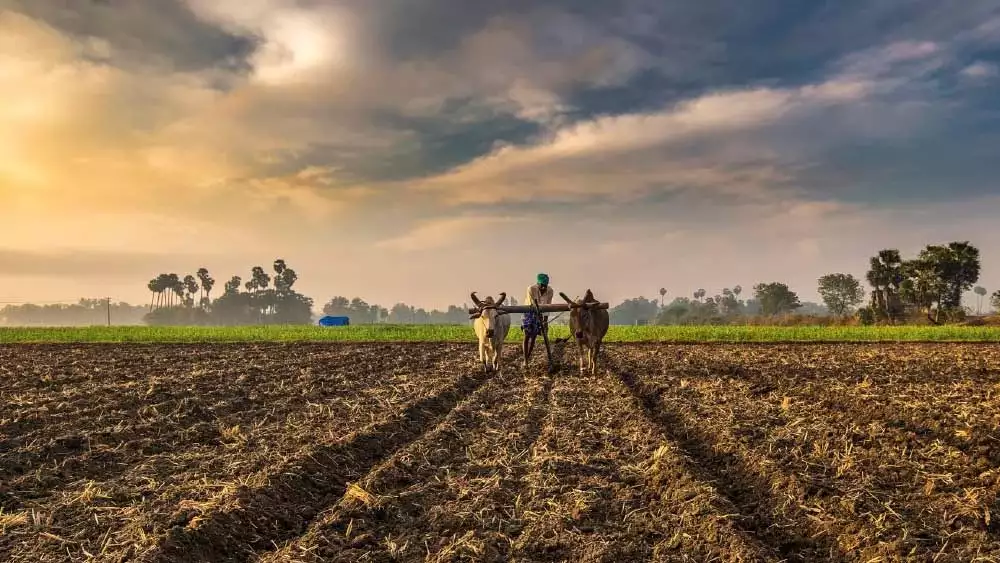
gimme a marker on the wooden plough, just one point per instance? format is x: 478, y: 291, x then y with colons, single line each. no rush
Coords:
x: 550, y: 308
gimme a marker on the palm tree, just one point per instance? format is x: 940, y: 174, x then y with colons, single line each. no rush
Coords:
x: 981, y: 292
x: 663, y: 293
x: 190, y: 288
x: 233, y: 285
x: 153, y: 288
x: 207, y: 282
x: 886, y: 276
x: 176, y: 287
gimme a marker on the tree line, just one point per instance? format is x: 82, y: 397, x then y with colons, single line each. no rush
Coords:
x: 929, y: 286
x: 84, y: 312
x: 264, y: 298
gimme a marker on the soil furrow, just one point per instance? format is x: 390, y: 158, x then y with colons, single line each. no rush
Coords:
x: 870, y: 488
x: 413, y: 502
x: 103, y: 453
x: 710, y: 452
x: 262, y: 518
x: 748, y: 489
x: 604, y: 487
x: 137, y: 507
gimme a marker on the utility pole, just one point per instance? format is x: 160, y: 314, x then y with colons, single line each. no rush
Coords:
x: 109, y: 311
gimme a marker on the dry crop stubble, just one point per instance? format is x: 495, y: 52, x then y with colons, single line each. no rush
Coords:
x: 606, y: 485
x: 853, y: 478
x: 279, y: 508
x: 300, y: 402
x: 444, y: 497
x: 716, y: 452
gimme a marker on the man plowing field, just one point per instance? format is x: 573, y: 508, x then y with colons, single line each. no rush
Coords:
x: 534, y: 323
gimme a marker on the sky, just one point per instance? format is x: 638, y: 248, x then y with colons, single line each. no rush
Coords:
x: 419, y: 150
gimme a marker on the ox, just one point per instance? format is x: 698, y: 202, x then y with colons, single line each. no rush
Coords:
x: 588, y: 324
x: 491, y: 327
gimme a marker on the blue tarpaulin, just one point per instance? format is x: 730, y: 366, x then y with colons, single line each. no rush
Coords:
x: 334, y: 321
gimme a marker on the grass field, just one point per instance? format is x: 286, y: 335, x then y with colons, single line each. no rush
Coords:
x: 438, y: 333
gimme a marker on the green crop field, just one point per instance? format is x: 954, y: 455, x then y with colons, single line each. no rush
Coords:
x: 439, y: 333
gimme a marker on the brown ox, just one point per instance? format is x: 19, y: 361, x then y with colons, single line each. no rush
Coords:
x: 588, y: 324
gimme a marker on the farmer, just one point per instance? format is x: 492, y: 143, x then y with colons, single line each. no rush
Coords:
x: 533, y: 322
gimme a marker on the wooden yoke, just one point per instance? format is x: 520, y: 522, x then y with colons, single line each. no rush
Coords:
x: 551, y: 308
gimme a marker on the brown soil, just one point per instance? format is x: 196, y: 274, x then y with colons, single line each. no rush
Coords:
x: 407, y: 452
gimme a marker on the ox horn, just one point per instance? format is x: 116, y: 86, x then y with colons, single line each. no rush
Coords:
x: 501, y: 298
x: 568, y: 300
x: 476, y: 300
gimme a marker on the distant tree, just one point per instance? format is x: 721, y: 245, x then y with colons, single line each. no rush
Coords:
x: 361, y: 312
x: 728, y: 303
x: 207, y: 283
x: 634, y: 310
x: 190, y: 288
x: 980, y: 292
x: 233, y: 285
x: 841, y: 293
x: 699, y: 294
x: 663, y: 294
x: 885, y: 275
x: 401, y: 313
x: 337, y: 307
x: 813, y: 309
x: 154, y: 288
x: 775, y: 298
x: 961, y: 268
x: 86, y: 312
x: 995, y: 300
x: 737, y: 291
x: 175, y: 288
x: 935, y: 280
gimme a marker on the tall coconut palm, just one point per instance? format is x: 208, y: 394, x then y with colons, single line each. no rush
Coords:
x: 663, y: 293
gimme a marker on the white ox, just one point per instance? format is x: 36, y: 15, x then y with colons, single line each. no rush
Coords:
x: 491, y: 328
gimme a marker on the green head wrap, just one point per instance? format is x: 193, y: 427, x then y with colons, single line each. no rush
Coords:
x: 543, y: 279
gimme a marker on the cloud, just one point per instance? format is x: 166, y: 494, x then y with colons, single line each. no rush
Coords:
x: 981, y: 69
x: 446, y: 232
x: 54, y: 263
x: 373, y: 130
x: 683, y: 147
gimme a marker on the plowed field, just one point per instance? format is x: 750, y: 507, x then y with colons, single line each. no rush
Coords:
x: 312, y: 452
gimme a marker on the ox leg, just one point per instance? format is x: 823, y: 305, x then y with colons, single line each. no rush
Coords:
x: 593, y: 358
x: 497, y: 348
x: 482, y: 356
x: 582, y: 354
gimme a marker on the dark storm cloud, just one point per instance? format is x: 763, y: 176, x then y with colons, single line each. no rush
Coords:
x: 144, y: 33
